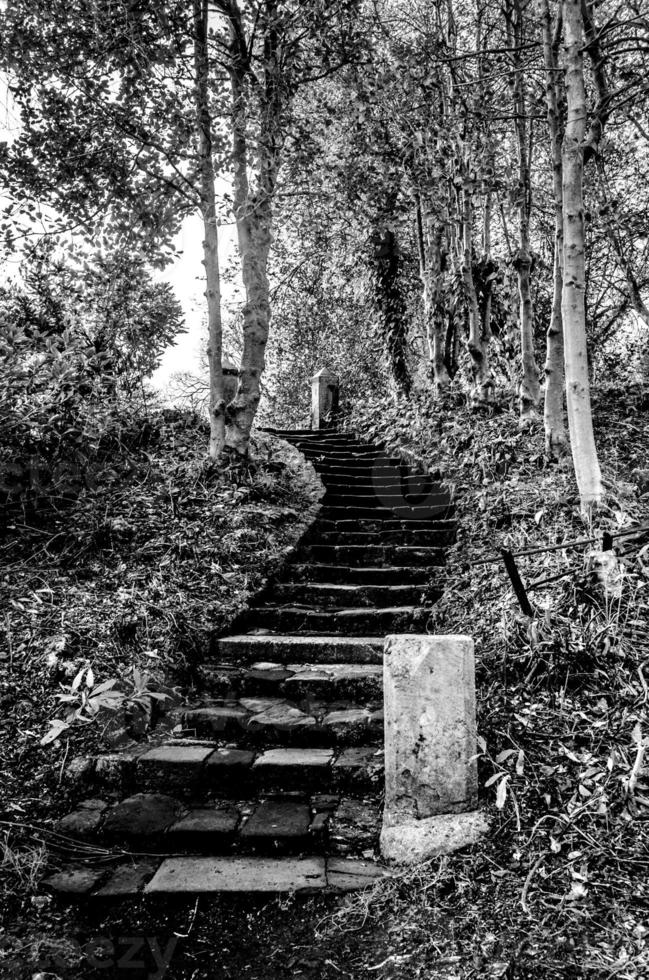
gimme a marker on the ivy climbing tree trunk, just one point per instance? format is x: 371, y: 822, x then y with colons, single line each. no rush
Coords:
x: 582, y: 440
x: 210, y: 230
x: 430, y: 234
x: 556, y: 442
x: 391, y: 305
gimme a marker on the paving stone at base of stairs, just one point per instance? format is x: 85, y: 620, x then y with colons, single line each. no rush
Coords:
x: 127, y: 880
x: 193, y: 875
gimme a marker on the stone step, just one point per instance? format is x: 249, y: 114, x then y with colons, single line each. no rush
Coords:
x: 206, y: 770
x: 428, y: 537
x: 289, y: 822
x: 340, y: 512
x: 354, y: 622
x: 326, y: 648
x: 323, y: 681
x: 301, y: 721
x: 364, y: 575
x: 371, y: 555
x: 366, y: 487
x: 336, y: 595
x: 236, y: 875
x: 378, y: 499
x: 367, y: 525
x: 199, y: 874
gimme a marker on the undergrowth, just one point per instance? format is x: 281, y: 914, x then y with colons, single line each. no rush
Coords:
x: 562, y: 697
x: 137, y: 573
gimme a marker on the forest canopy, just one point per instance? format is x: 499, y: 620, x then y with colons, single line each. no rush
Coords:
x: 447, y: 198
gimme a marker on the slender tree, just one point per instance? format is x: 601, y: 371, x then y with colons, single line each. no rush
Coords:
x: 582, y: 440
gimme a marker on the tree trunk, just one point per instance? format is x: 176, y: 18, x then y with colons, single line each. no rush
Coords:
x: 582, y: 441
x: 478, y: 344
x: 253, y: 214
x: 529, y: 391
x: 391, y: 305
x: 211, y: 240
x: 431, y: 269
x: 555, y: 434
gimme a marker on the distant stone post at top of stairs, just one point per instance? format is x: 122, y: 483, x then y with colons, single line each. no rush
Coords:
x: 431, y: 781
x: 325, y: 387
x: 230, y: 379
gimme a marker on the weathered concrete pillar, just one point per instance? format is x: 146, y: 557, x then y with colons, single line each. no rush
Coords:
x: 431, y: 781
x: 324, y: 397
x: 230, y: 379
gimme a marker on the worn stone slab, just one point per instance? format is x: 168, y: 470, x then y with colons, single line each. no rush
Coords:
x: 348, y: 724
x: 337, y: 680
x: 204, y: 826
x: 76, y: 882
x: 348, y: 874
x: 142, y: 815
x: 277, y: 820
x: 227, y: 767
x: 127, y: 880
x: 430, y: 727
x: 293, y: 767
x: 83, y: 822
x: 177, y: 766
x: 281, y: 718
x: 216, y: 719
x: 200, y: 875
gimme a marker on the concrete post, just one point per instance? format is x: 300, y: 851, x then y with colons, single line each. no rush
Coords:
x: 431, y: 781
x: 324, y: 397
x: 230, y: 379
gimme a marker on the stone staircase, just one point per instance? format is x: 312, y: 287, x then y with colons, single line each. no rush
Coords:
x: 272, y: 780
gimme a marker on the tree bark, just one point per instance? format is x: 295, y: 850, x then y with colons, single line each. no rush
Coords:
x: 582, y: 440
x: 391, y: 305
x: 211, y: 240
x: 478, y: 345
x: 431, y: 270
x: 529, y: 391
x: 556, y: 442
x: 253, y: 214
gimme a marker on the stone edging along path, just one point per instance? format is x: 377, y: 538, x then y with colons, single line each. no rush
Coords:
x: 272, y: 780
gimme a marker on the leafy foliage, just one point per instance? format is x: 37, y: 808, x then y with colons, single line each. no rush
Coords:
x: 76, y: 343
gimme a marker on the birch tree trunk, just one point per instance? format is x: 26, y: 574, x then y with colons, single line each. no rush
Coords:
x: 582, y: 441
x: 556, y: 442
x: 253, y: 214
x: 211, y: 239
